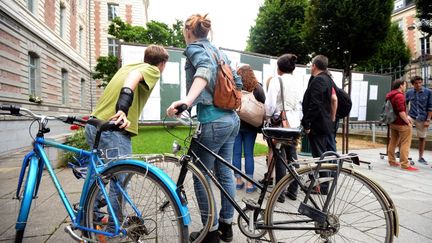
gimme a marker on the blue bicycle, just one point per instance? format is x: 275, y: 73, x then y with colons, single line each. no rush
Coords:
x: 146, y: 207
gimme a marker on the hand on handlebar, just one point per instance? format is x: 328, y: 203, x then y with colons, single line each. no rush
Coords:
x: 120, y: 117
x: 176, y: 108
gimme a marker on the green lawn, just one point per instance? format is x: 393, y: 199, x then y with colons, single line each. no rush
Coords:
x: 158, y: 139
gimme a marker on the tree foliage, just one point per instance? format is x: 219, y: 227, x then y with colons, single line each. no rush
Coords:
x: 424, y: 14
x: 278, y: 29
x: 346, y: 31
x: 154, y: 33
x: 392, y: 53
x: 105, y: 69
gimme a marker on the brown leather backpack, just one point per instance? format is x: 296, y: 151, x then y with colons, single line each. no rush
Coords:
x: 226, y: 95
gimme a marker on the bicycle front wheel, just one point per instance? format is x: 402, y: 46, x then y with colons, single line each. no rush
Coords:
x: 357, y: 211
x: 158, y: 220
x: 201, y: 220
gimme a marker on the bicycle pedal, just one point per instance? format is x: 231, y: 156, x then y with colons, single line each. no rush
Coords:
x: 250, y: 204
x: 312, y: 213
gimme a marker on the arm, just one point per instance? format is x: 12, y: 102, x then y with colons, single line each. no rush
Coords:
x: 334, y: 104
x: 131, y: 82
x: 399, y: 100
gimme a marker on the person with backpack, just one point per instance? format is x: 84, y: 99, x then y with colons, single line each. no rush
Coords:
x: 420, y: 101
x: 318, y: 116
x: 317, y: 109
x: 219, y: 127
x: 400, y: 128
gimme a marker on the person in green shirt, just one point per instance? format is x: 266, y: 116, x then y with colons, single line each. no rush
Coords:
x: 122, y: 101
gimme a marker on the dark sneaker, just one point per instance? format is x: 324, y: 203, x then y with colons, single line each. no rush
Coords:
x: 423, y: 161
x: 212, y: 236
x: 290, y: 195
x: 263, y: 180
x: 281, y: 198
x: 225, y: 232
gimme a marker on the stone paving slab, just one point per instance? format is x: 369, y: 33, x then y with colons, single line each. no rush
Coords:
x: 411, y: 192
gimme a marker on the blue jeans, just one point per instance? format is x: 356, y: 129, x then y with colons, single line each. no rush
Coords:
x: 245, y: 140
x: 114, y: 144
x: 219, y: 137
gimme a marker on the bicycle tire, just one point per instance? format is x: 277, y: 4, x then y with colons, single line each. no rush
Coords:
x: 357, y: 210
x: 148, y: 194
x: 171, y: 166
x: 26, y: 199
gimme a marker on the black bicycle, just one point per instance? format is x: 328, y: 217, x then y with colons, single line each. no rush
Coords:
x: 351, y: 208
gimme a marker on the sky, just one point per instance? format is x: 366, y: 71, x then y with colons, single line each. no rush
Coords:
x: 231, y: 19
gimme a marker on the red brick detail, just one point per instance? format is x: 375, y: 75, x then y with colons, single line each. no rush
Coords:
x: 51, y: 69
x: 9, y: 63
x: 129, y: 13
x: 411, y: 36
x: 97, y: 26
x: 73, y: 23
x: 49, y: 13
x: 51, y: 60
x: 6, y: 36
x: 10, y: 89
x: 9, y: 50
x: 7, y: 76
x: 52, y: 97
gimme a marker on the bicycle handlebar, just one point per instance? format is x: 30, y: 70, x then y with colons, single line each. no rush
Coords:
x: 17, y: 111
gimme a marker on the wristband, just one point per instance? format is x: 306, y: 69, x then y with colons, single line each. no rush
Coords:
x: 125, y: 100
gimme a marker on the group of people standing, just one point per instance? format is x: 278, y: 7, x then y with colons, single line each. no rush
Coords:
x: 419, y: 114
x: 221, y: 130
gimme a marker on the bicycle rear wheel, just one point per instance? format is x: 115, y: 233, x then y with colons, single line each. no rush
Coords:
x: 357, y: 212
x: 200, y: 221
x: 26, y: 198
x: 160, y: 219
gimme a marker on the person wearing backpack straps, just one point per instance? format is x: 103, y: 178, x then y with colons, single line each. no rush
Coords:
x: 219, y: 127
x: 420, y: 101
x: 401, y: 128
x: 317, y: 111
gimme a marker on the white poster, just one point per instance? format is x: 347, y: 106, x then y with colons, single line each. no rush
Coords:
x: 170, y: 74
x: 132, y: 54
x: 373, y: 92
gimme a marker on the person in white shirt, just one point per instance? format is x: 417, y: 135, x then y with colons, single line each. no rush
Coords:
x: 291, y: 104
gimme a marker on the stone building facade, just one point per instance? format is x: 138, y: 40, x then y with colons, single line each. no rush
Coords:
x: 404, y: 15
x: 47, y: 51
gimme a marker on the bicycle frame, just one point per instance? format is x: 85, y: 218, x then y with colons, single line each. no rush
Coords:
x: 262, y: 188
x: 37, y: 160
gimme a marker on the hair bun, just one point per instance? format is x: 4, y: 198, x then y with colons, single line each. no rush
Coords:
x: 293, y: 58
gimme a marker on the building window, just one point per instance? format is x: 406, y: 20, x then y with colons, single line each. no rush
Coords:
x: 30, y: 5
x: 80, y: 39
x: 33, y: 73
x: 83, y: 94
x: 112, y: 11
x: 425, y: 46
x: 62, y: 19
x: 112, y: 46
x: 64, y: 85
x: 398, y: 4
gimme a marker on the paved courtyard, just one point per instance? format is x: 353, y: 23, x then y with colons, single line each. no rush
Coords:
x: 411, y: 192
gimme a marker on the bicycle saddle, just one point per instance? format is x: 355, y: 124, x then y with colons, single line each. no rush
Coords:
x: 281, y: 133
